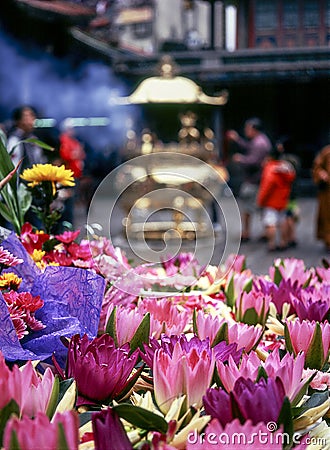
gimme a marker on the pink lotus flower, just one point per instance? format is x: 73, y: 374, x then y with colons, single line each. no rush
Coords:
x: 40, y: 433
x: 289, y: 370
x: 292, y: 269
x: 101, y: 370
x: 187, y: 371
x: 165, y: 317
x: 312, y: 338
x: 35, y: 391
x: 236, y: 263
x: 236, y: 436
x: 30, y: 391
x: 236, y: 284
x: 107, y: 428
x: 252, y: 307
x: 207, y: 326
x: 184, y: 263
x: 246, y: 401
x: 323, y: 273
x: 6, y: 386
x: 245, y: 336
x: 127, y: 322
x: 231, y: 372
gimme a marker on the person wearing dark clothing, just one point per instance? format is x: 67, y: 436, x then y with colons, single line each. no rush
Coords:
x: 321, y: 177
x: 255, y: 147
x: 24, y: 118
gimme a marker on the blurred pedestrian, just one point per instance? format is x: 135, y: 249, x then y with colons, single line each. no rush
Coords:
x: 321, y: 177
x: 255, y: 147
x: 285, y: 147
x: 19, y: 149
x: 273, y: 196
x: 23, y: 129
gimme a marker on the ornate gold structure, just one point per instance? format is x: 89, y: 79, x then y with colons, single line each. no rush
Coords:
x: 166, y: 180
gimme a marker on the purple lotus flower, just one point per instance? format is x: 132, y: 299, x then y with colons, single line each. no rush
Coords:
x: 101, y: 370
x: 313, y: 304
x: 223, y: 352
x: 248, y: 400
x: 107, y: 428
x: 282, y: 293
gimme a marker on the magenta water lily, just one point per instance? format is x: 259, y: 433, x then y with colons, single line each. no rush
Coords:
x: 101, y: 370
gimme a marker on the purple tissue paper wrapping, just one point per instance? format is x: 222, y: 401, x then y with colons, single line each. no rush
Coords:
x: 72, y: 304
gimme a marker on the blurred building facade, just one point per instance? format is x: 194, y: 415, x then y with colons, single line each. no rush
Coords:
x: 273, y: 56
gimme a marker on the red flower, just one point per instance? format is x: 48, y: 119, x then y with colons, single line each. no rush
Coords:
x: 31, y: 240
x: 22, y: 307
x: 68, y: 236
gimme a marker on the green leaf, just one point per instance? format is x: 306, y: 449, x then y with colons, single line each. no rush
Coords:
x: 314, y: 356
x: 230, y: 292
x: 141, y: 418
x: 6, y: 164
x: 288, y: 342
x: 14, y: 444
x: 285, y: 419
x: 111, y: 327
x: 51, y: 407
x: 222, y: 335
x: 195, y: 329
x: 250, y: 317
x: 142, y: 334
x: 62, y: 442
x: 248, y: 286
x: 302, y: 390
x: 24, y: 197
x: 5, y: 414
x: 277, y: 276
x: 39, y: 143
x: 5, y: 212
x: 261, y: 374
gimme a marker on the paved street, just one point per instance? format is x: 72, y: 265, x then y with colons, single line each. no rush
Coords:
x: 258, y: 259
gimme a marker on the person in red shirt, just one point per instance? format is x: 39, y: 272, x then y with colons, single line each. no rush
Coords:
x: 273, y: 196
x: 71, y: 151
x: 73, y: 156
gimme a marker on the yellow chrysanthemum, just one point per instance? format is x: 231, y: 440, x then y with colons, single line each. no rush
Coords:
x: 37, y: 255
x: 47, y: 172
x: 9, y: 280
